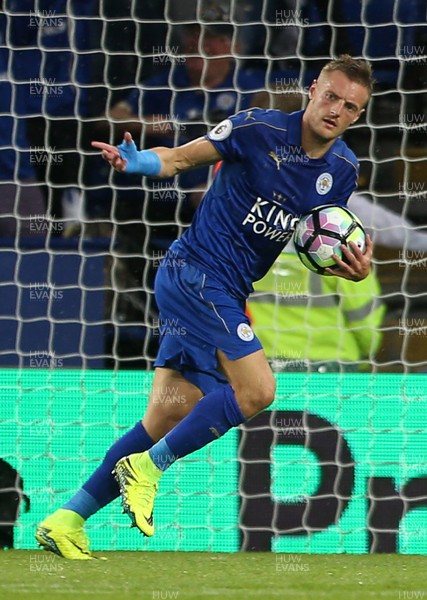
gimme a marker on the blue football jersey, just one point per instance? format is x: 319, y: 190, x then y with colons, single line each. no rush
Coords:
x: 265, y: 184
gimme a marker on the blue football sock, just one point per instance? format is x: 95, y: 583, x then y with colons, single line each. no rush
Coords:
x: 162, y: 455
x: 83, y: 504
x: 213, y: 415
x: 101, y: 488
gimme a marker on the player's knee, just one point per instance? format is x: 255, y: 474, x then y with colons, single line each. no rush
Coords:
x: 173, y: 417
x: 164, y: 413
x: 172, y: 412
x: 255, y: 398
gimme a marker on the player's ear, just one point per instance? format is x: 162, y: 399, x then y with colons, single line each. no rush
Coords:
x: 312, y: 88
x: 358, y: 116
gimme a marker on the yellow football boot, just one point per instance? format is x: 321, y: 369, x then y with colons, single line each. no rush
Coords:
x: 63, y: 539
x: 138, y: 478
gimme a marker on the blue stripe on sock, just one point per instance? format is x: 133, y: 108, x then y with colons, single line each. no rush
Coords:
x: 82, y: 503
x: 161, y: 455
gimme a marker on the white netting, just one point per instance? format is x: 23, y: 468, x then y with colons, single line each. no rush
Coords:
x: 81, y: 244
x: 92, y: 70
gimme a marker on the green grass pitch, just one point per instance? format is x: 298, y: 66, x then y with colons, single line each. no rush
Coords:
x: 40, y: 575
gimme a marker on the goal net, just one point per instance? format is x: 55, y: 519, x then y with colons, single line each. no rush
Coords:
x: 338, y: 463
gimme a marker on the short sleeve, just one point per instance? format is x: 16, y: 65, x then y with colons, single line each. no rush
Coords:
x: 234, y: 136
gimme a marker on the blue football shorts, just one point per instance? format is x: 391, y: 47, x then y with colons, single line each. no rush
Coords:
x: 196, y: 317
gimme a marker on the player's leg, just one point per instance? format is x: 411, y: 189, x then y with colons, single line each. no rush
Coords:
x: 171, y: 399
x: 252, y: 380
x: 205, y: 318
x: 251, y: 389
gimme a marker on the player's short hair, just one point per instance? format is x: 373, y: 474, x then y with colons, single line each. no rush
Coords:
x: 357, y: 70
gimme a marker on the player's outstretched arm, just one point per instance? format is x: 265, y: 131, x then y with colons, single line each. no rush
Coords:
x: 158, y: 162
x: 358, y: 264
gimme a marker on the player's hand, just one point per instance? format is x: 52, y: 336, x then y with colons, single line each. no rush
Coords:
x: 126, y: 157
x: 120, y: 156
x: 357, y: 265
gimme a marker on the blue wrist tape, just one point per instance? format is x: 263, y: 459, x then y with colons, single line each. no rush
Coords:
x: 148, y: 163
x: 143, y: 162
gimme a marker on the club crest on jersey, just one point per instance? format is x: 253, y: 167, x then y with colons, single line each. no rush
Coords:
x: 324, y: 183
x: 221, y: 131
x: 245, y: 333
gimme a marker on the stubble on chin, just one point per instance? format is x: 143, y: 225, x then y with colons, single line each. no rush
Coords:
x: 323, y: 136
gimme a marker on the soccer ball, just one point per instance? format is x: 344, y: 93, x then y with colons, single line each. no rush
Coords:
x: 320, y: 233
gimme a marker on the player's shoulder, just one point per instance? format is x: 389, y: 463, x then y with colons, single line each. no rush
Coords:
x: 267, y: 117
x: 344, y: 155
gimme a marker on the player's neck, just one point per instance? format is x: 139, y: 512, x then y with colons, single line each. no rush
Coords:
x: 313, y: 145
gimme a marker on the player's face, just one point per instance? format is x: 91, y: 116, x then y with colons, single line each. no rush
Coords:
x: 335, y: 103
